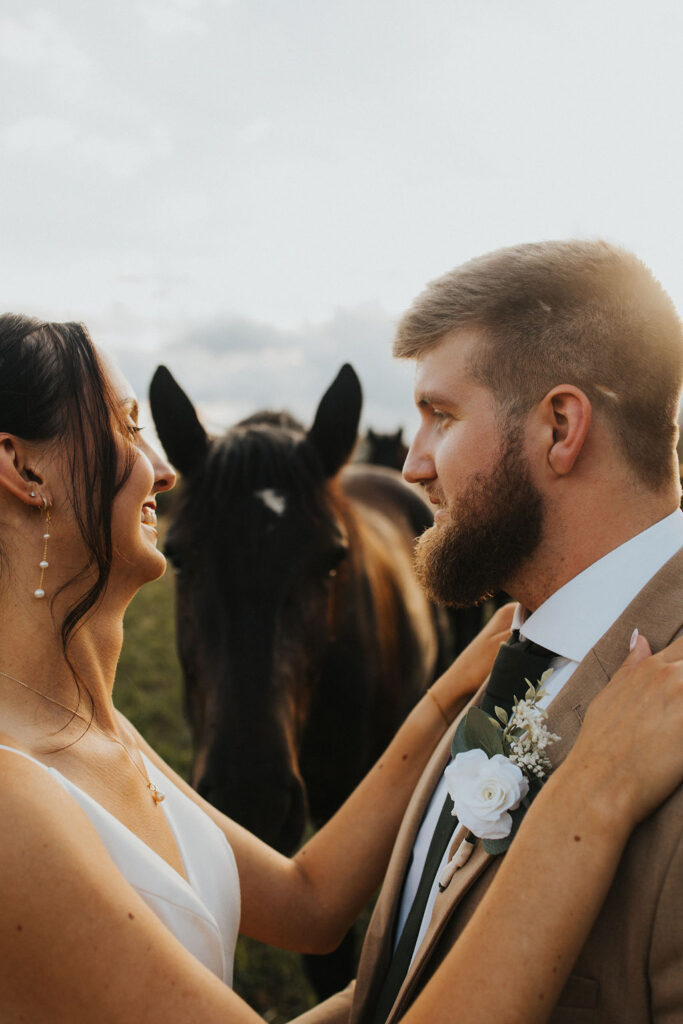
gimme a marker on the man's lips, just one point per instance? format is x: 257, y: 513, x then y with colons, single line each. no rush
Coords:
x: 436, y: 499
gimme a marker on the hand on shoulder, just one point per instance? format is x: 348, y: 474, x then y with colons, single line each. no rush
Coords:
x: 630, y: 742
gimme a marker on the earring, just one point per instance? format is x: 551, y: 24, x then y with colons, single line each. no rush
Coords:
x: 39, y: 592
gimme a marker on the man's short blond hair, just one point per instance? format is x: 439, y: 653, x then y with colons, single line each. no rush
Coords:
x: 573, y: 312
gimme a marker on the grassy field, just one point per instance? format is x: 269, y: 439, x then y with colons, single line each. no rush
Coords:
x: 149, y: 692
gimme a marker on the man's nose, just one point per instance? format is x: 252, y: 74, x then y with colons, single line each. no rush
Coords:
x: 419, y: 465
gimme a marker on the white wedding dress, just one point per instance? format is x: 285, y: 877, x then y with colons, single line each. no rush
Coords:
x: 203, y: 912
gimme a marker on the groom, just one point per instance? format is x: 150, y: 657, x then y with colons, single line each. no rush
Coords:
x: 547, y: 382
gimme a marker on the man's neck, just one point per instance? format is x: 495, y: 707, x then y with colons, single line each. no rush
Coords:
x: 577, y: 542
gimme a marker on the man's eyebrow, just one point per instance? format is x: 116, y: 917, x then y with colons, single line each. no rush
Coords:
x: 433, y: 398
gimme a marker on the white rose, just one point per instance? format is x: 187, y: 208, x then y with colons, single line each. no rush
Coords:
x: 483, y: 790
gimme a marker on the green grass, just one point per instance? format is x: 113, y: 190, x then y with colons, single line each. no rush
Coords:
x: 149, y: 681
x: 149, y: 692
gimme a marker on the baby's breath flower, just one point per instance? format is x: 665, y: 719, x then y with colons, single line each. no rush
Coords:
x: 529, y: 736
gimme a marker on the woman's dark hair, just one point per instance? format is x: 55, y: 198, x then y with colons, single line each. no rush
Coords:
x: 53, y: 388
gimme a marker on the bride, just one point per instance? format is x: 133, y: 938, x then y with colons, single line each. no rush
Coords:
x: 121, y: 889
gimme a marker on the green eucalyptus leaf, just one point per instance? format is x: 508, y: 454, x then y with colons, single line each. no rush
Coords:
x: 502, y: 715
x: 478, y: 731
x: 482, y: 732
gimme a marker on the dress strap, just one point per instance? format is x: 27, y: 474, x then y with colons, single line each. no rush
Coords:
x: 21, y: 753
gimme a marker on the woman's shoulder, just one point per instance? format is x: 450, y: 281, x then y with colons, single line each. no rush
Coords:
x: 18, y: 757
x: 66, y: 906
x: 30, y: 791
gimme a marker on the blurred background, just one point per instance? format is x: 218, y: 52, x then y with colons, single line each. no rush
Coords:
x: 252, y: 191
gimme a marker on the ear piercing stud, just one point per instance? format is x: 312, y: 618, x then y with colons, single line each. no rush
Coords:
x: 43, y: 564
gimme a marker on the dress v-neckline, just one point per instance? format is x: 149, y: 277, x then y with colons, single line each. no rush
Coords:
x: 184, y: 878
x: 201, y: 908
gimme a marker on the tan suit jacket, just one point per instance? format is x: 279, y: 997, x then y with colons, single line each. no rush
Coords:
x: 630, y: 970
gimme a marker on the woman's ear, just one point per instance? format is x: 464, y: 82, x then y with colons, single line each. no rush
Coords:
x: 16, y: 474
x: 567, y: 412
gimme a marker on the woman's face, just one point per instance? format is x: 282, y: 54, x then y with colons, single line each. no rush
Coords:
x: 134, y: 523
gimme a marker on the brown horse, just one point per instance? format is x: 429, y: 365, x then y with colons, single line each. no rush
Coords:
x: 303, y: 635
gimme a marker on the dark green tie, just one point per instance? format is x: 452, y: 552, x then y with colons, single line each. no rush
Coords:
x: 516, y: 661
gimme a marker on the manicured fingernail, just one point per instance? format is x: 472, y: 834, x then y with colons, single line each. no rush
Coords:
x: 634, y: 638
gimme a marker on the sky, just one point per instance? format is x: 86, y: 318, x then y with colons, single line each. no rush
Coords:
x: 252, y: 191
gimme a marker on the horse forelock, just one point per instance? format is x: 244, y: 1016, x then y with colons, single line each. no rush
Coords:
x: 265, y: 459
x: 256, y: 455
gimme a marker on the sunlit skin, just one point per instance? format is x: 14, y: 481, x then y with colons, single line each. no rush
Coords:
x: 68, y: 912
x: 311, y: 899
x: 459, y: 433
x: 571, y: 457
x: 134, y: 529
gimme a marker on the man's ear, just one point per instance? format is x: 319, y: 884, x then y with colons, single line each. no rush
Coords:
x: 566, y: 411
x: 16, y: 475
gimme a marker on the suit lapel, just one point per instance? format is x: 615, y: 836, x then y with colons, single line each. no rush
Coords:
x: 378, y: 945
x: 657, y: 611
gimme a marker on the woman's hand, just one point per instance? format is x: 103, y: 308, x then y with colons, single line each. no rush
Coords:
x: 630, y: 741
x: 472, y: 666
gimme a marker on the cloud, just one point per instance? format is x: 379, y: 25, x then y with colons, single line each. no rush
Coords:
x: 116, y: 155
x: 38, y: 40
x: 176, y: 17
x: 233, y: 366
x: 232, y: 334
x: 255, y: 132
x: 36, y: 134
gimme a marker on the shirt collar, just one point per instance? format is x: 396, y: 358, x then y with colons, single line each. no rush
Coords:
x: 572, y: 620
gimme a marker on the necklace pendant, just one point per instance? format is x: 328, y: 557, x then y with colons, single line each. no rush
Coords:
x: 157, y: 796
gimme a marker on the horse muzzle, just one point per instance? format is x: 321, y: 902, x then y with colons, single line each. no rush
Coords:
x: 275, y: 811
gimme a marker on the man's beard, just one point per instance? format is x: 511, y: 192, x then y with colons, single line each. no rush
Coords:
x: 494, y: 526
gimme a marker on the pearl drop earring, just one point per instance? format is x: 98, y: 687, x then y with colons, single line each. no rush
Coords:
x: 39, y: 592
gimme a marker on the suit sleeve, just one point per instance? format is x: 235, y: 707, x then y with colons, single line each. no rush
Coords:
x: 335, y: 1010
x: 666, y: 951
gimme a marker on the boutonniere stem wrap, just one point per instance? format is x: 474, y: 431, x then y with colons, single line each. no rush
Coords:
x: 499, y: 765
x: 458, y: 860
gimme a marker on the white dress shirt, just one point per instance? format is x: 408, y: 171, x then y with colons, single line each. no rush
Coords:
x: 570, y: 622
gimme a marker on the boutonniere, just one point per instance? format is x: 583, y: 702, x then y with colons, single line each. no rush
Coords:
x: 499, y: 765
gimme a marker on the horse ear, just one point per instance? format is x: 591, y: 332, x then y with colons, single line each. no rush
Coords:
x: 335, y: 427
x: 180, y: 432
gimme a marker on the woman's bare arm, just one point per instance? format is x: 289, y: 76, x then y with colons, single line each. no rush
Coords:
x: 77, y: 943
x: 308, y: 902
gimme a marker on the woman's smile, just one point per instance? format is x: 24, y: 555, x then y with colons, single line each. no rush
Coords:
x: 149, y: 515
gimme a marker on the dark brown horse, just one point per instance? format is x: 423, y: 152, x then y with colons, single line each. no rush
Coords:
x: 382, y: 449
x: 303, y: 635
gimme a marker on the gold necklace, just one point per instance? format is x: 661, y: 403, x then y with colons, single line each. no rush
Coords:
x: 157, y: 795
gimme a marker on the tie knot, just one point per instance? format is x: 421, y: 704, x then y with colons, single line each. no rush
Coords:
x: 518, y: 663
x: 520, y: 643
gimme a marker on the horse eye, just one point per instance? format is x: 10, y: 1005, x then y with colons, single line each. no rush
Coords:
x: 336, y: 557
